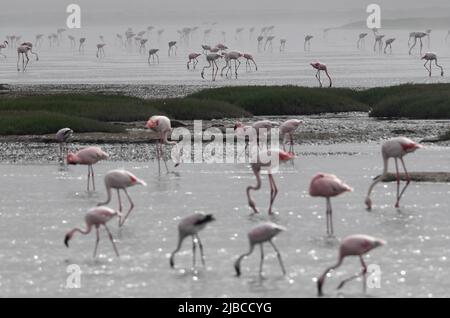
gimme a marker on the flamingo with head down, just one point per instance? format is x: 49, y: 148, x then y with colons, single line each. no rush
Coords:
x: 320, y: 67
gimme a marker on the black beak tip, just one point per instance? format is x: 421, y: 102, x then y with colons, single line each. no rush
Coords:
x: 172, y: 264
x: 66, y: 241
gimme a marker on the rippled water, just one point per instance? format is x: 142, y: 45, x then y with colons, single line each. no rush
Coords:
x: 40, y: 203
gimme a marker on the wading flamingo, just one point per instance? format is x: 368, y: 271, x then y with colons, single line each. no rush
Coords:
x: 261, y: 234
x: 82, y: 44
x: 162, y: 126
x: 72, y: 41
x: 190, y: 226
x: 321, y: 67
x: 172, y: 47
x: 379, y: 41
x: 87, y: 156
x: 249, y: 57
x: 269, y: 43
x: 96, y: 217
x: 416, y: 35
x: 256, y: 165
x: 62, y: 137
x: 151, y: 54
x: 3, y: 45
x: 22, y: 52
x: 212, y: 58
x: 395, y: 148
x: 287, y: 130
x: 361, y: 41
x: 193, y: 59
x: 142, y: 46
x: 430, y: 57
x: 120, y: 180
x: 30, y: 45
x: 282, y: 45
x: 229, y: 57
x: 100, y: 50
x: 307, y: 44
x: 260, y: 39
x: 206, y: 48
x: 352, y: 245
x: 387, y: 43
x: 327, y: 186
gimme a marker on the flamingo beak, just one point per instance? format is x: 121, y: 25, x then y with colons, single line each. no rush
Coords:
x: 319, y: 288
x: 237, y: 269
x: 66, y: 240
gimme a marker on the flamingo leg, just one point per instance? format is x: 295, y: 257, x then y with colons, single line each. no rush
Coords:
x: 291, y: 147
x: 96, y: 241
x: 408, y: 180
x: 129, y: 210
x: 442, y: 69
x: 330, y: 215
x: 398, y: 183
x: 89, y: 178
x: 261, y: 263
x: 251, y: 202
x: 120, y: 201
x: 201, y: 249
x: 327, y: 218
x: 273, y: 191
x: 193, y: 250
x: 362, y: 273
x: 93, y: 178
x: 111, y: 239
x: 426, y: 67
x: 279, y: 257
x: 162, y: 156
x: 158, y: 157
x: 205, y: 67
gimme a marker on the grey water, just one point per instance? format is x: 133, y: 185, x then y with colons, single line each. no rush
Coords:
x: 41, y: 202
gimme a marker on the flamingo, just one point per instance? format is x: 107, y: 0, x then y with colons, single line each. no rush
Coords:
x: 361, y: 40
x: 222, y: 47
x: 212, y: 58
x: 120, y: 180
x: 388, y: 42
x: 72, y: 40
x: 259, y: 127
x: 142, y: 44
x: 206, y: 48
x: 327, y: 186
x: 151, y: 54
x: 256, y: 166
x: 307, y: 44
x: 269, y: 40
x: 416, y: 35
x: 430, y: 57
x: 352, y: 245
x: 119, y: 39
x: 232, y: 56
x: 82, y: 43
x: 100, y: 50
x: 395, y: 148
x: 39, y: 39
x: 264, y: 232
x: 160, y: 33
x: 62, y: 137
x: 260, y: 38
x: 22, y: 51
x: 30, y: 45
x: 87, y: 156
x: 190, y: 226
x: 3, y: 45
x: 96, y: 217
x: 172, y: 47
x: 287, y: 130
x: 282, y: 45
x: 161, y: 125
x: 428, y: 32
x: 321, y: 67
x: 193, y: 59
x: 379, y: 40
x: 249, y: 57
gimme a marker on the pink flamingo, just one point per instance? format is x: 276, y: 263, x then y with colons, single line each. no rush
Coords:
x: 96, y: 217
x: 416, y: 35
x: 257, y: 129
x: 193, y: 59
x: 307, y: 44
x: 321, y: 67
x: 22, y: 51
x: 232, y: 56
x: 212, y: 58
x: 287, y: 130
x: 82, y: 43
x: 249, y: 57
x: 430, y: 57
x: 100, y: 50
x: 120, y: 180
x: 190, y: 226
x: 361, y: 40
x: 151, y: 54
x: 327, y: 186
x: 3, y: 45
x: 30, y: 45
x: 379, y: 40
x: 352, y: 245
x: 87, y: 156
x: 222, y: 47
x: 395, y: 148
x: 161, y: 125
x: 206, y: 48
x: 172, y: 47
x: 260, y: 39
x: 388, y: 42
x: 260, y: 234
x: 62, y: 137
x: 256, y: 166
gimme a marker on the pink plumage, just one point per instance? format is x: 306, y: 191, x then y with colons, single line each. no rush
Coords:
x: 327, y: 185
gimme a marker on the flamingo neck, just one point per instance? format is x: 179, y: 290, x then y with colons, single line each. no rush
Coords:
x: 237, y: 264
x: 380, y: 177
x: 108, y: 198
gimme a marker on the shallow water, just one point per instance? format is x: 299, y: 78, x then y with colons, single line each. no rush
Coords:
x: 40, y: 203
x: 348, y: 66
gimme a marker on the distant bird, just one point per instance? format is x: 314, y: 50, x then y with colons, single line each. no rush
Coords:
x: 395, y: 148
x: 287, y: 130
x: 193, y: 58
x: 387, y: 43
x: 229, y: 57
x: 361, y: 40
x: 379, y: 41
x: 321, y: 67
x: 72, y: 40
x: 258, y: 129
x: 430, y: 57
x: 274, y: 157
x: 249, y: 57
x: 190, y: 226
x: 328, y: 186
x: 352, y: 245
x: 172, y: 47
x: 87, y: 156
x: 282, y: 45
x: 151, y: 54
x: 205, y: 48
x: 22, y: 52
x: 82, y: 44
x: 100, y: 50
x: 307, y: 44
x: 62, y: 137
x: 96, y: 217
x: 260, y: 39
x: 269, y: 43
x: 3, y: 45
x: 415, y: 36
x: 120, y: 180
x: 212, y: 58
x: 260, y: 234
x: 162, y: 126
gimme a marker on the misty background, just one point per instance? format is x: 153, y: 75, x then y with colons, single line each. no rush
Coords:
x: 28, y: 13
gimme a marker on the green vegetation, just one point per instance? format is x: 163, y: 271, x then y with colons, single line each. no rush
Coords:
x: 43, y: 114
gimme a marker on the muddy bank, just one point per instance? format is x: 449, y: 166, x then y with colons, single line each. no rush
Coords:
x: 420, y: 177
